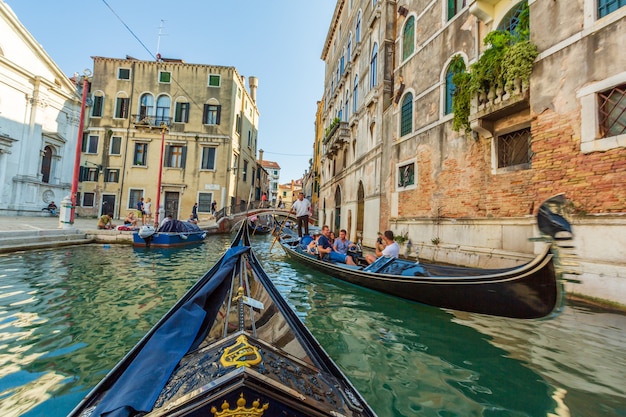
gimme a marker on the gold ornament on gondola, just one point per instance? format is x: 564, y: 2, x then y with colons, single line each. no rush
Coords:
x: 241, y: 353
x: 256, y: 410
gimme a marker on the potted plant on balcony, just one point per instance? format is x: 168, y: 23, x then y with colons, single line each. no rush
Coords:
x: 507, y: 61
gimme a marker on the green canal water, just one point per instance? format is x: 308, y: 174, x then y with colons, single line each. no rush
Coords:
x: 68, y: 315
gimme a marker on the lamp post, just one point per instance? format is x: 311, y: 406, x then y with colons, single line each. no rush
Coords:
x: 79, y: 145
x: 158, y: 196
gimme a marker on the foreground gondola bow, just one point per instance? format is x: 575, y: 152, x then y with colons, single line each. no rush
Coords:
x: 230, y: 347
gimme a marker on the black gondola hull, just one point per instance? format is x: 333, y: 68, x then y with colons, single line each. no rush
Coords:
x: 527, y: 292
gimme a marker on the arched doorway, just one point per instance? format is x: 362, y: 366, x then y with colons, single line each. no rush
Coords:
x: 360, y: 213
x: 46, y: 164
x: 337, y: 210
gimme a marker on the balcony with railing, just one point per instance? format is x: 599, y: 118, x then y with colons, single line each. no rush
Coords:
x: 337, y: 136
x: 498, y: 102
x: 150, y: 122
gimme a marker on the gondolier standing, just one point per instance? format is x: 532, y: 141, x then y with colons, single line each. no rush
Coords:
x: 302, y: 208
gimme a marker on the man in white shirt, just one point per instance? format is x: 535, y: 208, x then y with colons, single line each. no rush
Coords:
x: 385, y: 246
x: 302, y: 208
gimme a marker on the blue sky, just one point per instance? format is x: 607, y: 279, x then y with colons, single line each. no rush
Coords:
x: 278, y: 41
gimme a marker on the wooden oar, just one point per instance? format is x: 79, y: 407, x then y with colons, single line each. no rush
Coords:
x: 278, y: 234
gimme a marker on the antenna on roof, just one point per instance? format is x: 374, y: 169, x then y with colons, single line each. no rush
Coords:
x: 158, y: 55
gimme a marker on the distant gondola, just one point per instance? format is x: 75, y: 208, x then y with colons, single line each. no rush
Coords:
x: 527, y: 291
x: 231, y: 346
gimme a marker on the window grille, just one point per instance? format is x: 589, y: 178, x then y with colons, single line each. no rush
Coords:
x: 612, y: 111
x: 514, y: 148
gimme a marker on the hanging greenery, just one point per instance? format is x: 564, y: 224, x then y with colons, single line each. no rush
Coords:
x: 509, y: 56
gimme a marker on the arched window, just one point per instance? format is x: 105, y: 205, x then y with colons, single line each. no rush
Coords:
x: 355, y: 94
x: 450, y: 89
x: 408, y: 38
x: 163, y: 110
x: 349, y: 48
x: 511, y: 21
x: 358, y: 28
x: 146, y: 106
x: 346, y: 107
x: 337, y: 209
x: 406, y: 115
x: 46, y: 164
x: 122, y: 105
x: 97, y: 104
x: 373, y: 61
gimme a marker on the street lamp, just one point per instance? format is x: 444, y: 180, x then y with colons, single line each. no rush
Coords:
x: 79, y: 144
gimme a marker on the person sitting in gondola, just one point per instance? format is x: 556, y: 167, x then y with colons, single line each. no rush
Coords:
x: 342, y: 243
x: 309, y: 243
x: 325, y: 249
x: 385, y: 246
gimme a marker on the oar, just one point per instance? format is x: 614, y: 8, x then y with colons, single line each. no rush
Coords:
x: 278, y: 234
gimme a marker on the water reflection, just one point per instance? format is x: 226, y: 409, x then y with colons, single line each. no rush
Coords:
x: 68, y: 315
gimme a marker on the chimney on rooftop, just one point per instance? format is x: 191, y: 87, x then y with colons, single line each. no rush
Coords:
x: 254, y: 83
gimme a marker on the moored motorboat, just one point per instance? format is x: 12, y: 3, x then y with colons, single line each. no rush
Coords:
x: 231, y: 346
x: 171, y: 234
x: 527, y: 291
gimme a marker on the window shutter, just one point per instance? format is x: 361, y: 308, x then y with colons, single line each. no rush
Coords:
x: 183, y: 157
x: 219, y: 113
x: 205, y: 114
x: 166, y: 161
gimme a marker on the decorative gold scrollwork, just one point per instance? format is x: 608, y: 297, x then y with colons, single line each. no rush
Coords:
x: 241, y: 353
x: 256, y: 410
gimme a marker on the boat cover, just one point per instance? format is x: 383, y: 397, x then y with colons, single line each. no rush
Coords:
x: 139, y: 386
x: 177, y: 226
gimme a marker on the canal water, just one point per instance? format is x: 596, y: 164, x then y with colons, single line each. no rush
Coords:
x: 68, y: 315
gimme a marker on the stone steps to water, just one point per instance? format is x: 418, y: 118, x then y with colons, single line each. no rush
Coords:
x: 12, y: 241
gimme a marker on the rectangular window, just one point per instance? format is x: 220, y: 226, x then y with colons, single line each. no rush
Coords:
x: 91, y: 145
x: 88, y: 199
x: 609, y: 6
x: 121, y: 108
x: 454, y: 7
x: 98, y: 106
x: 245, y: 171
x: 92, y: 174
x: 116, y: 145
x: 211, y: 114
x: 514, y: 148
x: 112, y: 175
x: 208, y: 158
x: 612, y: 111
x: 204, y: 202
x: 140, y: 155
x: 406, y: 175
x: 214, y: 80
x: 181, y: 114
x: 123, y: 73
x: 165, y: 77
x: 134, y: 196
x: 175, y: 156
